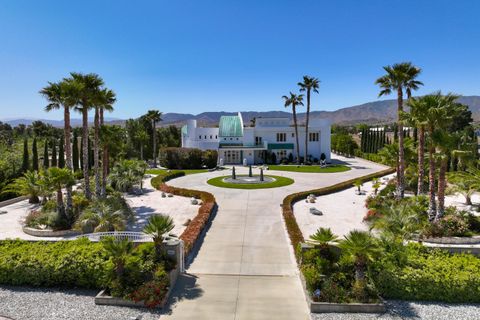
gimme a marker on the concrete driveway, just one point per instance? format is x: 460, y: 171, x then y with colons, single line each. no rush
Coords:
x: 245, y: 268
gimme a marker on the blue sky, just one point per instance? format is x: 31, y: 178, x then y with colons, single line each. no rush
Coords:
x: 230, y: 55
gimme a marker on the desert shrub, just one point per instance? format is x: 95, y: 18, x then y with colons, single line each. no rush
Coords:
x: 78, y: 263
x: 44, y: 219
x: 428, y: 274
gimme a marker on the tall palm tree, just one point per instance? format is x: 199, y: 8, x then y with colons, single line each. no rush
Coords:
x: 417, y: 117
x: 158, y: 226
x: 61, y: 95
x: 154, y: 116
x: 361, y: 248
x: 104, y: 102
x: 295, y: 100
x: 308, y: 84
x: 399, y: 77
x: 85, y: 91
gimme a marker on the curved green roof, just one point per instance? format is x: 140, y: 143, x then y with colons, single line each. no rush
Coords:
x: 230, y: 126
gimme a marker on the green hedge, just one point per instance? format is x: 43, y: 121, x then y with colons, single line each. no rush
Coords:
x: 429, y: 274
x: 294, y: 232
x: 78, y: 263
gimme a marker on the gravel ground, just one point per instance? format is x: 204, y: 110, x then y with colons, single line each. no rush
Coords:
x: 398, y: 310
x: 21, y: 303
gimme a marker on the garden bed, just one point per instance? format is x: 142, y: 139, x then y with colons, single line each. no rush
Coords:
x: 275, y: 182
x: 102, y: 298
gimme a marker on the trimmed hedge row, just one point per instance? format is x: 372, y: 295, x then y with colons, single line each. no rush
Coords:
x: 294, y: 232
x: 75, y: 263
x: 195, y: 227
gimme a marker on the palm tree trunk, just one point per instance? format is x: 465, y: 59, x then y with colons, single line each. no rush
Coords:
x: 103, y: 192
x: 60, y: 205
x: 359, y: 272
x: 421, y: 159
x: 154, y: 144
x: 468, y: 200
x: 296, y: 132
x: 401, y: 153
x: 441, y: 188
x: 96, y: 154
x: 86, y: 174
x: 141, y: 151
x: 306, y: 125
x: 432, y: 206
x: 68, y: 159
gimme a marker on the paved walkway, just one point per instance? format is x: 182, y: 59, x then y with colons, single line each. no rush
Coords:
x: 245, y: 268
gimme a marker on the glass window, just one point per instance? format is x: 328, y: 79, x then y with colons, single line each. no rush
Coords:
x: 281, y: 137
x: 200, y: 137
x: 313, y: 136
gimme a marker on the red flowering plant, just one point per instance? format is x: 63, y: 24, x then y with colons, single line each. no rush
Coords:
x: 154, y: 292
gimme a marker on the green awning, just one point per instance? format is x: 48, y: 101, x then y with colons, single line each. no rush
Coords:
x: 277, y: 146
x: 230, y: 126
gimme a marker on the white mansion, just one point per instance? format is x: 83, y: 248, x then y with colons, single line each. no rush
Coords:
x: 237, y: 144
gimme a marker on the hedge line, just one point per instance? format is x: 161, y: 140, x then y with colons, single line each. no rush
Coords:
x: 294, y: 232
x: 75, y: 263
x: 195, y: 227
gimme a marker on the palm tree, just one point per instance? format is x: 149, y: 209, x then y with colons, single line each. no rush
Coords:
x: 57, y: 179
x: 461, y: 186
x: 295, y: 100
x: 118, y: 250
x: 401, y: 222
x: 158, y: 226
x: 399, y: 77
x: 104, y: 102
x: 101, y: 218
x: 154, y: 116
x: 361, y: 248
x: 28, y: 185
x: 308, y: 84
x: 417, y: 117
x: 358, y: 184
x: 86, y: 88
x: 110, y: 139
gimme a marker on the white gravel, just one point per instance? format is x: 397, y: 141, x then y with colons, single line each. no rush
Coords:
x: 399, y: 310
x: 20, y: 303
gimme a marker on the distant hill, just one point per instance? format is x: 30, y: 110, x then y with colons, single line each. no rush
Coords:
x: 376, y: 112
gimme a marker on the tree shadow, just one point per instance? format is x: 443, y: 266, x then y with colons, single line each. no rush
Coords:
x: 401, y: 309
x: 186, y: 288
x: 142, y: 214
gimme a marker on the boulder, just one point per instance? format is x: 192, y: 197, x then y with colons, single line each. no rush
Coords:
x: 315, y: 211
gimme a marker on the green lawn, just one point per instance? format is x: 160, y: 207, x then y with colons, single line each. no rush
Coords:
x: 310, y: 169
x: 187, y: 172
x: 279, y: 182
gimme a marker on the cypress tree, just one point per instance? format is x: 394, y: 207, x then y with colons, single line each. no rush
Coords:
x: 45, y: 155
x: 61, y: 154
x: 364, y: 140
x: 75, y: 159
x: 34, y: 155
x: 54, y: 153
x: 26, y: 161
x: 369, y: 141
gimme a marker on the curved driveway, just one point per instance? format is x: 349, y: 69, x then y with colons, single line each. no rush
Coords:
x: 245, y: 268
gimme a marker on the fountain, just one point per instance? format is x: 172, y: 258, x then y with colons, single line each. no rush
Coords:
x: 248, y: 179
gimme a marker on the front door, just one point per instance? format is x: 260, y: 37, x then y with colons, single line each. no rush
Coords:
x: 233, y: 157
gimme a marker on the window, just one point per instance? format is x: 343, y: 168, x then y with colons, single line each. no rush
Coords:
x: 216, y: 137
x: 258, y: 140
x: 282, y: 154
x: 199, y: 137
x: 281, y: 137
x: 211, y: 137
x: 205, y: 137
x: 293, y: 135
x: 313, y: 136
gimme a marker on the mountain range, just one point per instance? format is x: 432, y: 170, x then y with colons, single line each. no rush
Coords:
x: 376, y: 112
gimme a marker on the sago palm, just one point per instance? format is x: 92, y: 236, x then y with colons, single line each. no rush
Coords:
x: 399, y: 77
x: 118, y: 250
x: 308, y: 85
x: 28, y: 185
x: 293, y: 101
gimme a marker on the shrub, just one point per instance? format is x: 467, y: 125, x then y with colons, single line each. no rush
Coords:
x: 429, y: 274
x: 78, y: 263
x: 187, y: 158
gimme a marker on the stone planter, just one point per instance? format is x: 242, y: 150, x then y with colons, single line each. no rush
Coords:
x: 326, y: 307
x: 453, y: 240
x: 50, y: 233
x: 102, y: 298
